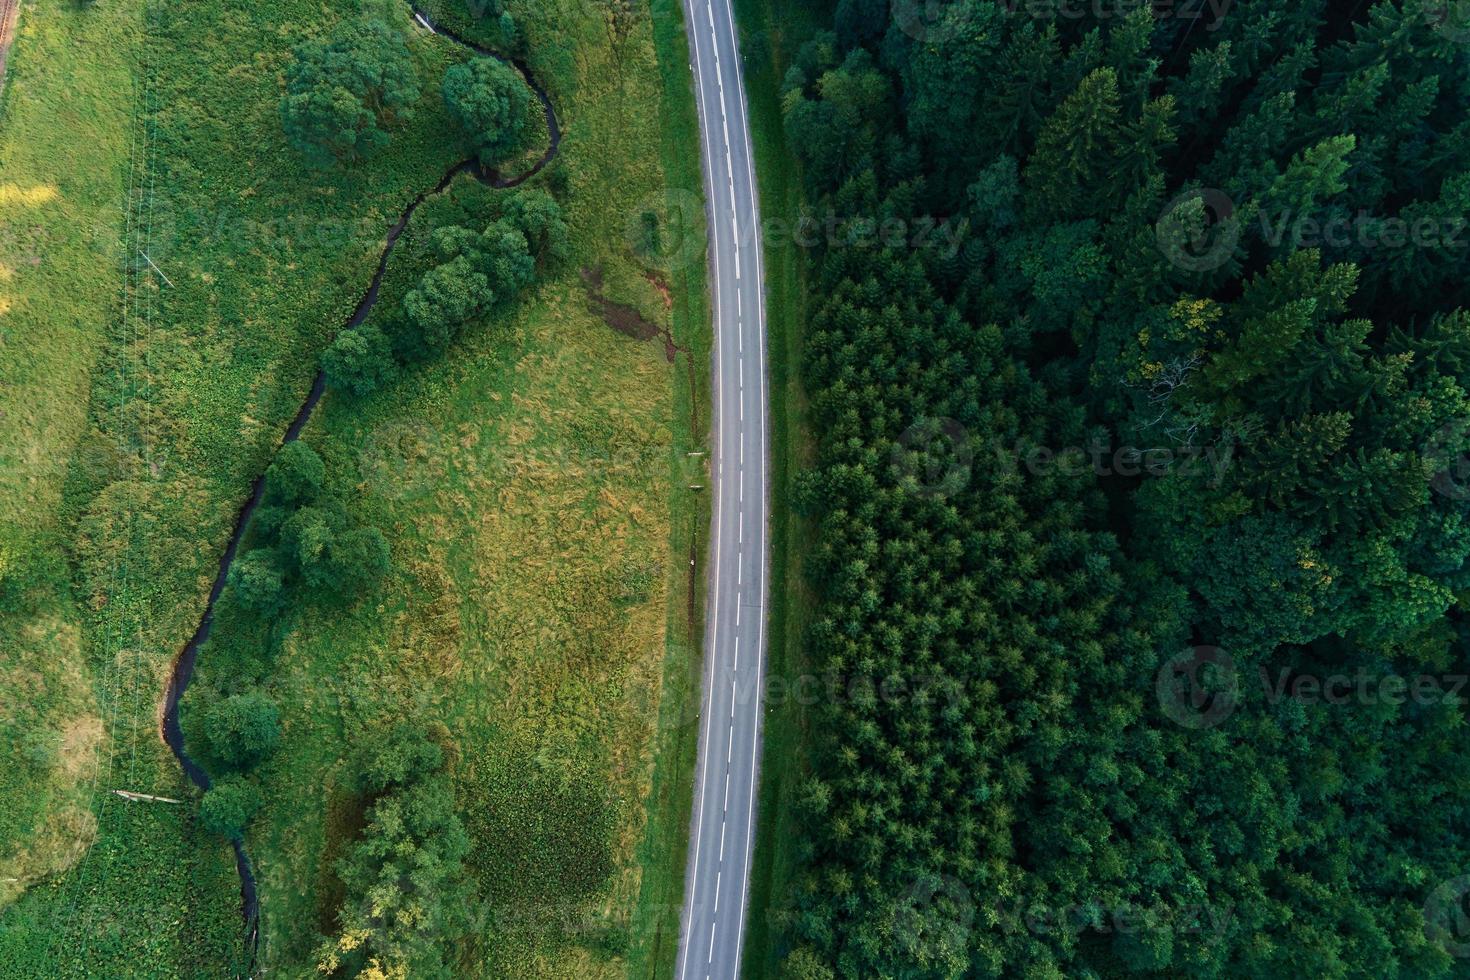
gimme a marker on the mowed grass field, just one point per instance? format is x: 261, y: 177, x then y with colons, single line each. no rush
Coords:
x: 541, y: 617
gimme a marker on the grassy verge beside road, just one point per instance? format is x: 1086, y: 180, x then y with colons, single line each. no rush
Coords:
x: 655, y: 942
x: 770, y: 34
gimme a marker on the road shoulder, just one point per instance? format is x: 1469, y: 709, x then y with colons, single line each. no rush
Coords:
x: 769, y: 39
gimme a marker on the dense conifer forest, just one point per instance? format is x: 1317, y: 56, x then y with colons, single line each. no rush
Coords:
x: 1141, y: 519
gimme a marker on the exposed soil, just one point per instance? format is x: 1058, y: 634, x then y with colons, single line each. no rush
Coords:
x: 662, y: 285
x: 621, y: 317
x: 626, y: 319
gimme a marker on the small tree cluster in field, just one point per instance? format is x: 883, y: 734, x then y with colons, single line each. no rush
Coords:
x: 241, y: 732
x: 404, y: 890
x: 493, y: 12
x: 229, y: 805
x: 476, y: 273
x: 489, y: 100
x: 343, y: 92
x: 305, y: 537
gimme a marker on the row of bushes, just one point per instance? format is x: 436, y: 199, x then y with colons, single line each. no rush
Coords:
x: 476, y: 272
x: 304, y: 537
x: 302, y: 543
x: 242, y: 730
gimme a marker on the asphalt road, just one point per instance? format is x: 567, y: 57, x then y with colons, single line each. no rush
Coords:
x: 722, y: 831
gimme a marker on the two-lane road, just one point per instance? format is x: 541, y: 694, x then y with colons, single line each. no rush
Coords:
x: 722, y: 831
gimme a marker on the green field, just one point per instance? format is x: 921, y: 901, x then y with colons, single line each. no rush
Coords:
x: 532, y: 485
x: 61, y: 256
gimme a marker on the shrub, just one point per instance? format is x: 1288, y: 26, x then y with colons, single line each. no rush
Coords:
x: 295, y: 475
x: 258, y: 580
x: 359, y: 361
x: 307, y: 538
x: 402, y: 757
x: 538, y: 217
x: 243, y: 729
x: 446, y: 298
x: 342, y: 92
x: 489, y: 100
x: 229, y: 805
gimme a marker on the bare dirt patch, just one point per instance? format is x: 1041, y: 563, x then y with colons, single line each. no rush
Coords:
x: 662, y: 285
x: 621, y: 317
x: 627, y: 319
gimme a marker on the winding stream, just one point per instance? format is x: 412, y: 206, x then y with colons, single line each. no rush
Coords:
x: 183, y: 669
